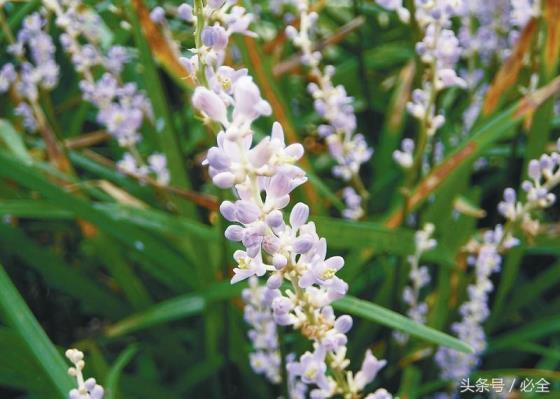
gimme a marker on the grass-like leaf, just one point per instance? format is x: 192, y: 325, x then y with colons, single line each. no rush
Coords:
x: 16, y: 314
x: 173, y: 309
x: 113, y: 377
x: 379, y: 314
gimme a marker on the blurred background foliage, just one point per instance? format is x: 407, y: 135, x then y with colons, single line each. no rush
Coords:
x: 136, y: 274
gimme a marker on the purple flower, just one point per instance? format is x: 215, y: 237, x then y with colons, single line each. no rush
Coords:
x: 215, y: 37
x: 7, y: 76
x: 210, y: 104
x: 158, y: 15
x: 247, y: 266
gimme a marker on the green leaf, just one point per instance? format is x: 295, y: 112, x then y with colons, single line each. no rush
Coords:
x: 378, y: 314
x: 528, y: 332
x: 172, y: 267
x: 173, y: 309
x: 122, y: 271
x: 19, y: 369
x: 59, y: 275
x: 33, y: 209
x: 14, y: 141
x: 112, y: 380
x: 19, y: 317
x: 160, y: 222
x: 342, y: 234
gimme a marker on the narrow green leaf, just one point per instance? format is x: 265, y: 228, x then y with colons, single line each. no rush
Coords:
x: 160, y: 221
x: 343, y: 234
x: 528, y: 332
x: 113, y: 377
x: 176, y: 308
x: 378, y: 314
x: 122, y: 271
x: 508, y: 276
x: 172, y: 267
x: 59, y: 275
x: 33, y: 209
x: 18, y: 316
x: 19, y: 369
x: 13, y: 141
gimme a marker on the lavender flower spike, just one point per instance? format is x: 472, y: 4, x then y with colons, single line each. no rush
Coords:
x: 348, y: 149
x: 122, y: 106
x: 544, y: 175
x: 440, y: 51
x: 281, y: 248
x: 419, y: 277
x: 36, y: 68
x: 486, y: 260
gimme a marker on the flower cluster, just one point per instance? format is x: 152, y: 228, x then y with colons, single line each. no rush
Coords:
x: 405, y: 156
x: 486, y: 260
x: 419, y: 278
x: 439, y: 50
x: 88, y: 389
x: 348, y: 149
x: 484, y: 25
x: 122, y: 107
x: 544, y: 175
x: 263, y: 334
x: 36, y: 69
x: 262, y: 177
x: 353, y: 203
x: 311, y: 368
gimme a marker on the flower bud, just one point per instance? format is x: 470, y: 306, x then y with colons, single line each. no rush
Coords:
x: 343, y: 324
x: 279, y: 261
x: 215, y: 37
x: 279, y: 185
x: 274, y: 281
x: 217, y: 159
x: 534, y: 171
x: 224, y: 180
x: 509, y: 195
x: 274, y: 219
x: 227, y: 209
x: 234, y: 233
x: 210, y: 104
x: 271, y: 244
x: 157, y: 15
x: 261, y: 153
x: 299, y: 215
x: 185, y: 12
x: 281, y: 305
x: 246, y: 211
x: 303, y: 244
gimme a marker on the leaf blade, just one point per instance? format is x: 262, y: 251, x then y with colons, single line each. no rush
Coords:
x: 379, y: 314
x: 20, y: 317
